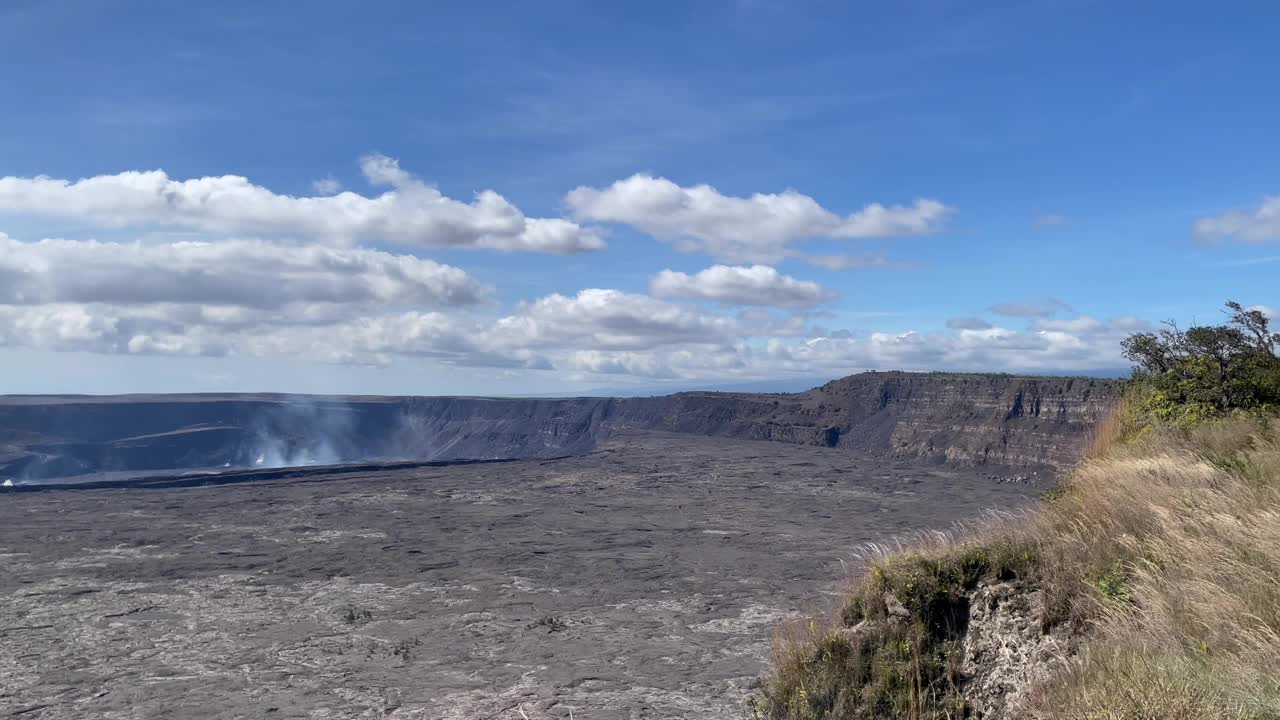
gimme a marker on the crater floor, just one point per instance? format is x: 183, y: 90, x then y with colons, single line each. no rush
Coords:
x: 640, y: 581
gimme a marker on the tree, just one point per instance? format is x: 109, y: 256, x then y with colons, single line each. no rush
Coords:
x: 1211, y: 368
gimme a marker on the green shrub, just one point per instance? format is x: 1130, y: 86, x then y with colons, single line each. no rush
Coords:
x: 1184, y: 377
x: 1115, y: 585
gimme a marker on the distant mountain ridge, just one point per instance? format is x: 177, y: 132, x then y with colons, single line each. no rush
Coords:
x: 793, y: 385
x: 958, y: 418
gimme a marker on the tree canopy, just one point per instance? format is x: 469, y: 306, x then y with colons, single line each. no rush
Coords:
x: 1209, y: 369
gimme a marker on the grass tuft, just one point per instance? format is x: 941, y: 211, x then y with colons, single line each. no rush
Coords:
x: 1161, y: 553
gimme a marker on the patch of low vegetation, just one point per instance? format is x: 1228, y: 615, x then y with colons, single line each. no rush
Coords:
x: 1159, y: 556
x: 356, y: 616
x: 405, y: 647
x: 550, y: 623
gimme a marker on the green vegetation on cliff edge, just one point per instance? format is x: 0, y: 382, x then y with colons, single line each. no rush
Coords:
x: 1155, y: 566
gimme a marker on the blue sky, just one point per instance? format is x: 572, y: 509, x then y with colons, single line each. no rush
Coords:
x: 1086, y: 170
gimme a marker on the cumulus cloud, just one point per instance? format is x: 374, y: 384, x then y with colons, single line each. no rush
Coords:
x: 834, y: 354
x: 327, y: 186
x: 249, y: 273
x: 308, y: 290
x: 219, y: 298
x: 741, y: 285
x: 755, y: 229
x: 987, y: 350
x: 595, y: 331
x: 104, y: 329
x: 1257, y: 224
x: 409, y: 213
x: 1091, y: 344
x: 646, y: 365
x: 448, y: 338
x: 609, y: 319
x: 1048, y: 307
x: 341, y: 304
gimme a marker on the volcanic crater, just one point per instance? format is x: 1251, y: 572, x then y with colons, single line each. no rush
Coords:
x: 594, y: 557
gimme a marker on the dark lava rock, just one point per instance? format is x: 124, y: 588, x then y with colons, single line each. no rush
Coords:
x: 641, y: 580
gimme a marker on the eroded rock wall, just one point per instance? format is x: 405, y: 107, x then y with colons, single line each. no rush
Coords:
x: 966, y: 419
x: 954, y: 418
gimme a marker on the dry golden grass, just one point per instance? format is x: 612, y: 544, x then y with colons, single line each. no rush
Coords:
x: 1114, y: 428
x: 1196, y: 525
x: 1162, y: 553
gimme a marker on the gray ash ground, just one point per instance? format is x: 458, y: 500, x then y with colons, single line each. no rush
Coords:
x: 640, y: 581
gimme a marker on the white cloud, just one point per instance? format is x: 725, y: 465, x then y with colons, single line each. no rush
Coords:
x: 755, y: 229
x: 1043, y: 218
x: 1094, y: 345
x: 608, y: 320
x: 180, y: 292
x: 248, y: 273
x: 378, y: 339
x: 741, y: 285
x: 410, y: 213
x: 1256, y: 224
x: 218, y: 298
x: 103, y: 329
x: 992, y: 349
x: 327, y: 186
x: 595, y: 332
x: 619, y: 363
x: 360, y: 306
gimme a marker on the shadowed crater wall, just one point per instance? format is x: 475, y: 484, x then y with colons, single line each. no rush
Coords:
x: 962, y: 419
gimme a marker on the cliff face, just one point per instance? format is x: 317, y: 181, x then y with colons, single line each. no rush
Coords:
x: 55, y: 437
x: 948, y: 417
x: 955, y: 418
x: 974, y: 419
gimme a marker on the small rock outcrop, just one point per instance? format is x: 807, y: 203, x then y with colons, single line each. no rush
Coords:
x: 993, y: 637
x: 1006, y: 652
